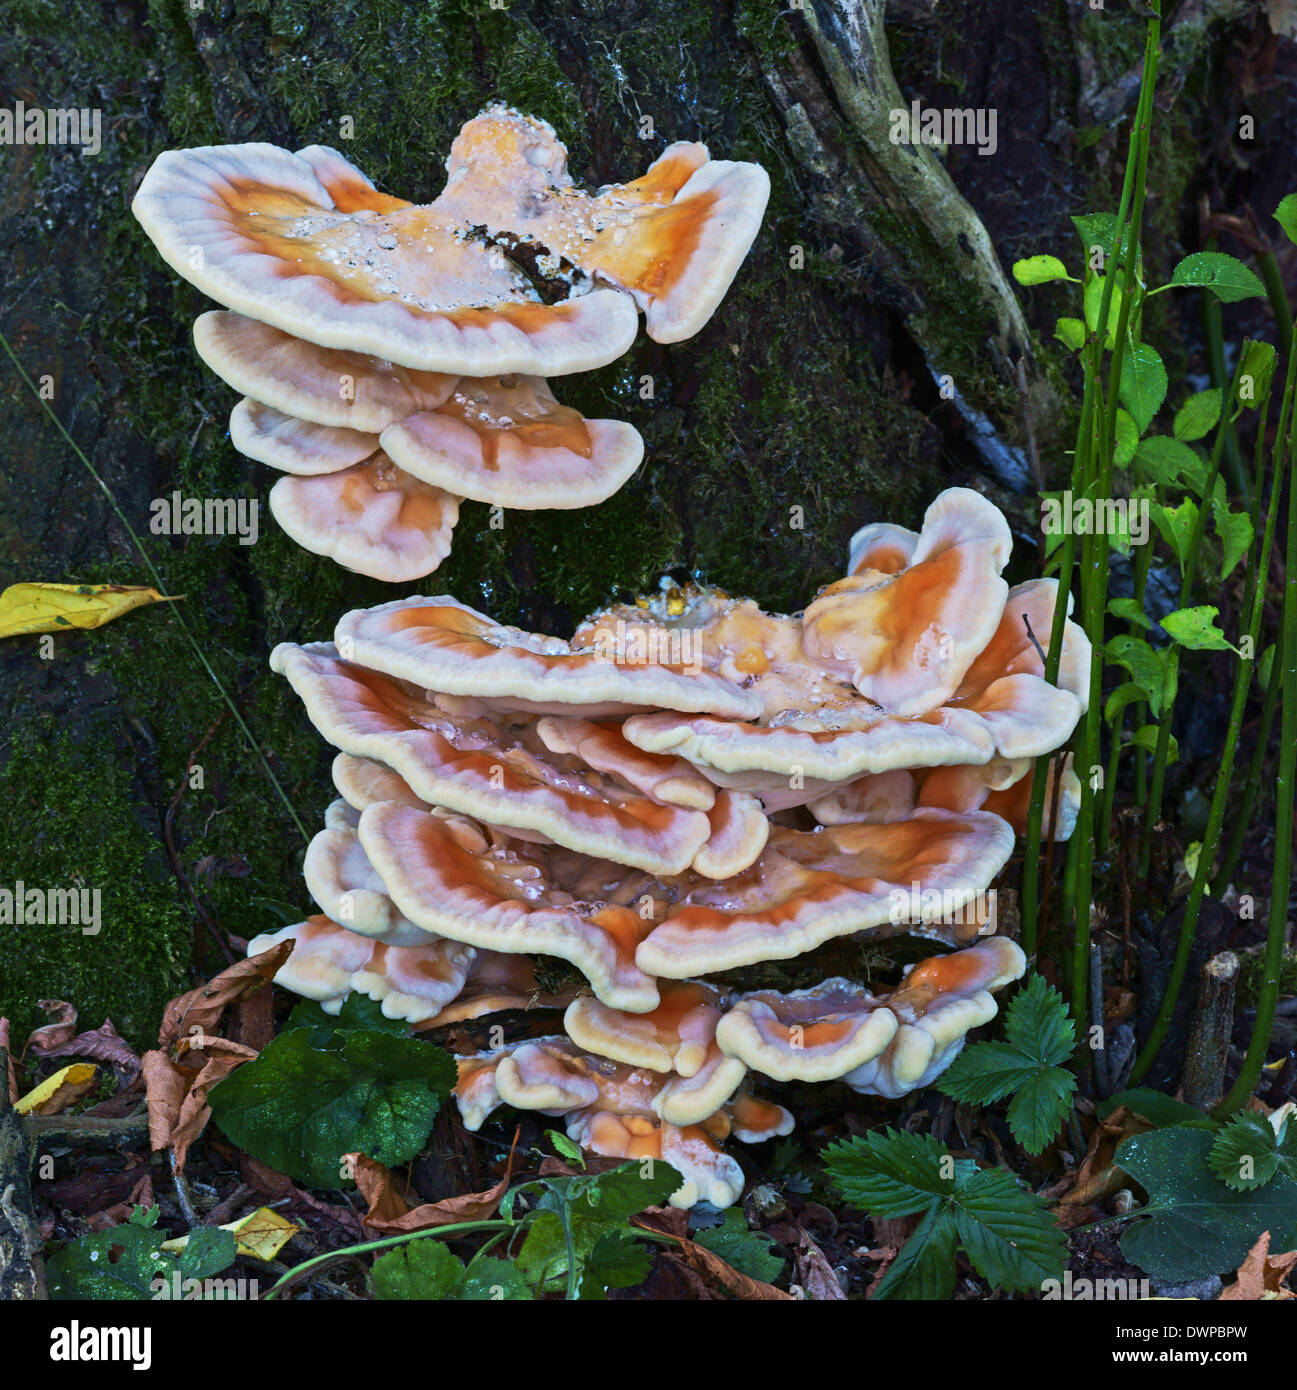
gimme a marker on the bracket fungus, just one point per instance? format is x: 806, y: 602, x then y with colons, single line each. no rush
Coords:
x: 684, y: 789
x: 414, y: 342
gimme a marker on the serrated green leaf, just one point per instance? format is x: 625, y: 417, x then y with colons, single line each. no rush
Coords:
x: 1143, y: 383
x: 1130, y: 610
x: 1245, y: 1154
x: 1286, y: 215
x: 925, y: 1268
x: 985, y: 1072
x: 1040, y: 1107
x: 299, y: 1108
x: 750, y: 1252
x: 565, y: 1148
x: 1195, y: 628
x: 1071, y: 333
x: 495, y: 1281
x: 618, y: 1260
x: 1008, y: 1231
x: 1039, y: 270
x: 1198, y: 415
x: 1038, y: 1024
x: 891, y: 1173
x: 1194, y: 1225
x: 1225, y: 276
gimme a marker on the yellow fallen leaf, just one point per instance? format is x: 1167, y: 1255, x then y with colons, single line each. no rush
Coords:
x: 55, y: 607
x: 57, y: 1092
x: 261, y: 1235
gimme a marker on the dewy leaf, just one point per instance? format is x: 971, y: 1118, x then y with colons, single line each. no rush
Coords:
x: 1096, y: 229
x: 61, y: 607
x: 1039, y: 270
x: 1143, y: 383
x: 299, y: 1108
x: 1228, y: 279
x: 1245, y: 1154
x: 1195, y: 628
x: 750, y: 1252
x: 1198, y: 415
x: 1286, y: 216
x: 208, y: 1251
x: 358, y: 1011
x: 1234, y: 530
x: 1194, y: 1225
x: 495, y: 1281
x: 421, y: 1269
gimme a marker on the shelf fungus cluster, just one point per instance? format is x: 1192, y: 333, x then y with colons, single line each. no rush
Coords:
x: 688, y: 787
x: 393, y: 358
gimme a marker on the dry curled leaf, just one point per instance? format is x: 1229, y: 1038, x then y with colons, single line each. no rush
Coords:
x: 28, y: 608
x: 389, y: 1213
x: 200, y: 1010
x: 60, y: 1029
x: 103, y: 1044
x: 1261, y: 1275
x: 57, y: 1092
x: 709, y: 1264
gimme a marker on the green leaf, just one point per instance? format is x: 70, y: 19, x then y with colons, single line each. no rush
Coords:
x: 1147, y: 737
x: 1071, y: 333
x: 1096, y: 229
x: 1193, y: 1224
x: 1227, y: 278
x: 1040, y: 1107
x: 1245, y: 1154
x: 1008, y: 1231
x: 207, y: 1252
x: 1176, y: 525
x: 490, y: 1280
x: 1124, y: 695
x: 750, y: 1252
x: 1092, y: 301
x: 1286, y: 215
x: 1264, y: 666
x: 358, y: 1011
x: 1254, y: 375
x: 1143, y: 383
x: 299, y: 1108
x: 618, y: 1260
x: 1038, y: 1024
x: 890, y: 1173
x: 1195, y: 629
x: 565, y: 1148
x: 1170, y: 462
x: 1125, y: 438
x: 1198, y: 415
x: 1234, y: 530
x: 985, y: 1072
x: 1155, y: 1107
x: 423, y: 1269
x: 925, y: 1268
x: 1130, y: 610
x: 1149, y: 668
x: 1039, y: 270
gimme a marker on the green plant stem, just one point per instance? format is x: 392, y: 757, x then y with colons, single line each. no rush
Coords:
x: 1251, y: 785
x: 1098, y: 550
x: 1067, y: 559
x: 172, y: 610
x: 1216, y: 815
x: 1285, y: 660
x: 1268, y: 265
x: 1215, y: 341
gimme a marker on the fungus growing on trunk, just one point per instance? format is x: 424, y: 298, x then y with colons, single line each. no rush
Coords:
x: 688, y: 786
x: 355, y: 321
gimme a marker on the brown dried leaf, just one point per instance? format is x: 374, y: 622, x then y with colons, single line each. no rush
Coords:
x: 61, y: 1028
x: 199, y: 1011
x: 104, y: 1044
x: 389, y: 1212
x: 165, y: 1085
x: 1096, y: 1178
x: 710, y: 1265
x: 812, y: 1270
x: 1261, y: 1275
x: 222, y: 1057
